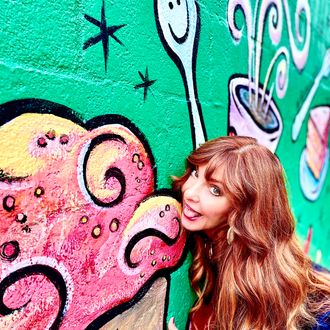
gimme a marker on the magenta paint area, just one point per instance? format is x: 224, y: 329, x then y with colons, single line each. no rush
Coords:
x: 84, y: 231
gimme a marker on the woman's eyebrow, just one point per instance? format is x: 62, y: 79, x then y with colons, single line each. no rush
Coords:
x: 215, y: 180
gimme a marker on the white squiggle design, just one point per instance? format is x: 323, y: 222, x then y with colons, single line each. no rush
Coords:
x: 46, y: 261
x: 233, y: 6
x: 299, y: 56
x: 282, y: 78
x: 80, y: 173
x: 281, y: 73
x: 275, y: 25
x: 276, y: 13
x: 274, y: 10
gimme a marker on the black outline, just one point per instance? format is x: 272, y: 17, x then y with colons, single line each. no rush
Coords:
x: 15, y: 254
x: 147, y: 233
x: 23, y: 220
x: 6, y: 177
x: 111, y: 172
x: 181, y: 40
x: 5, y: 206
x: 50, y: 273
x: 109, y: 119
x: 12, y: 109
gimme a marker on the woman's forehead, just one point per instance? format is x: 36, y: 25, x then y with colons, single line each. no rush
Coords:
x: 214, y: 170
x: 215, y: 174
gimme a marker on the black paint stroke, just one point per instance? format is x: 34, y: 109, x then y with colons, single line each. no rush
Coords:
x: 5, y: 204
x: 105, y: 32
x: 12, y: 109
x: 143, y: 234
x: 146, y: 83
x: 112, y: 172
x: 119, y: 119
x: 6, y: 177
x: 51, y: 274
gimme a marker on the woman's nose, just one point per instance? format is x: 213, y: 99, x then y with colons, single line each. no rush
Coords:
x: 193, y: 192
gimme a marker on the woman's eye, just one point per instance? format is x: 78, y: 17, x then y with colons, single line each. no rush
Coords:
x: 215, y: 191
x: 194, y: 173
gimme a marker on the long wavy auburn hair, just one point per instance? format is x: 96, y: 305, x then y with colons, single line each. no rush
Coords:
x: 263, y: 279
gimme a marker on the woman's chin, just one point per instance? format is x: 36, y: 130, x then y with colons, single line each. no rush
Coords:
x: 191, y: 224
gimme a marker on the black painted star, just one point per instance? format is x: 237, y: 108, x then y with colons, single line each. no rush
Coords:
x: 105, y: 32
x: 146, y: 83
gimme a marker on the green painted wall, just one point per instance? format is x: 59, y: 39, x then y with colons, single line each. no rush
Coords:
x: 53, y: 50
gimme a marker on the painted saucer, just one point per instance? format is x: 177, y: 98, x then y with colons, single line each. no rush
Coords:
x: 311, y: 187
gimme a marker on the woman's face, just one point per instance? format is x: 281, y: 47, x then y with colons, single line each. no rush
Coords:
x: 205, y: 207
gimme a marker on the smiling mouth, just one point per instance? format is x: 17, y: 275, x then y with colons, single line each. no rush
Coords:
x: 190, y: 213
x: 181, y: 40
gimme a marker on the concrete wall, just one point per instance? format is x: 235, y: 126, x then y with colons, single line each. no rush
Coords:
x: 101, y: 101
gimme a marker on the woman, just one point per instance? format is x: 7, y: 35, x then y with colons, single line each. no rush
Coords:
x: 248, y: 269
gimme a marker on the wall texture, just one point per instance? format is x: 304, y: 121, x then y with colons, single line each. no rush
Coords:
x: 101, y: 101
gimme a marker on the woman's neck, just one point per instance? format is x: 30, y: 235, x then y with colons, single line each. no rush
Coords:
x: 215, y: 233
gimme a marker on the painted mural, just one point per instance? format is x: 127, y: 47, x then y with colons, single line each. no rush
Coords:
x: 261, y: 116
x: 178, y: 24
x: 71, y: 224
x: 252, y: 109
x: 315, y: 157
x: 106, y: 32
x: 93, y: 122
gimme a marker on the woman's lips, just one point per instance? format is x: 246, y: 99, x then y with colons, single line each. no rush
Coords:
x: 190, y: 213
